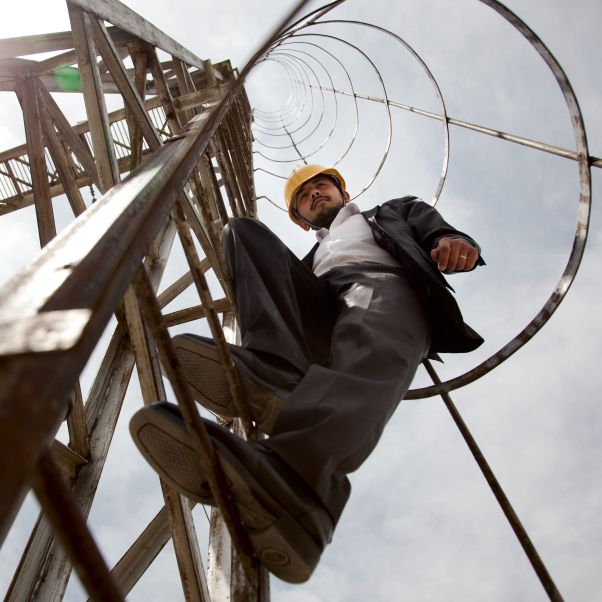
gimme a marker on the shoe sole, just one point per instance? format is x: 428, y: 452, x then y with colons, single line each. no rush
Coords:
x: 280, y: 543
x: 206, y: 377
x: 162, y: 440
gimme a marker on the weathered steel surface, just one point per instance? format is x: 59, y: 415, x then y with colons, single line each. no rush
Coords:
x: 226, y: 578
x: 69, y: 525
x: 96, y: 108
x: 56, y: 331
x: 48, y: 331
x: 28, y: 96
x: 125, y: 18
x: 190, y: 412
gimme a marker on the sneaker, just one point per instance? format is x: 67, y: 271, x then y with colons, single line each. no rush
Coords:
x: 286, y: 523
x: 206, y: 377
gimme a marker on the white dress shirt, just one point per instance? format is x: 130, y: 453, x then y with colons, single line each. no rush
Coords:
x: 348, y: 241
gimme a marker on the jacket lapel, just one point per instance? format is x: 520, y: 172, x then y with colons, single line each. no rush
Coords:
x: 308, y: 260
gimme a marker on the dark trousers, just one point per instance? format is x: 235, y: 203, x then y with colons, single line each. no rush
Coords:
x: 345, y: 345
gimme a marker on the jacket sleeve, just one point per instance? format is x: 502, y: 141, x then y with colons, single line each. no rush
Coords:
x: 426, y: 224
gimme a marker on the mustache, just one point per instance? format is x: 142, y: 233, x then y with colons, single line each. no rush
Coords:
x: 317, y: 199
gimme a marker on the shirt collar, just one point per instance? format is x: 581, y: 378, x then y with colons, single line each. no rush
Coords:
x: 345, y: 213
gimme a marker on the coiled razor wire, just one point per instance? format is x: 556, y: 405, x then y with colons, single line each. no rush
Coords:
x: 287, y: 136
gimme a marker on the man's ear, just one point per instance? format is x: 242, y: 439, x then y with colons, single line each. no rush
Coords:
x: 346, y: 196
x: 303, y: 225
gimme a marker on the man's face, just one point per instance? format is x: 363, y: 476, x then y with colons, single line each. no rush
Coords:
x: 319, y: 201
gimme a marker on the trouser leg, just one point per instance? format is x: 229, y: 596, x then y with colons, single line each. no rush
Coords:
x: 285, y: 312
x: 345, y: 383
x: 335, y: 416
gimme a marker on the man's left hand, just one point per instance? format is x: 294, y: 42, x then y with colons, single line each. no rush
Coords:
x: 454, y: 255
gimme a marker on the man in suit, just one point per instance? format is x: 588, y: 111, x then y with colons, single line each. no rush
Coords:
x: 330, y: 345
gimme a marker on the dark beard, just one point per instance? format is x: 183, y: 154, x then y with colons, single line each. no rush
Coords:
x: 326, y: 217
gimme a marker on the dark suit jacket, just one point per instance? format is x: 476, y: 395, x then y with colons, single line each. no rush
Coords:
x: 409, y: 229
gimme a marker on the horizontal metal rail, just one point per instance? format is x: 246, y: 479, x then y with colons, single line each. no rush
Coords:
x: 475, y: 127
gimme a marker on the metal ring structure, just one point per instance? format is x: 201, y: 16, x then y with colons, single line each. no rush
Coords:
x: 384, y: 100
x: 289, y: 132
x: 305, y: 84
x: 303, y: 28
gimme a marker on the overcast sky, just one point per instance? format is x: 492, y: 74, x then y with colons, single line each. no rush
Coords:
x: 421, y: 524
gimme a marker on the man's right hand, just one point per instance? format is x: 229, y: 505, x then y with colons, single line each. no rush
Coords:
x: 454, y: 255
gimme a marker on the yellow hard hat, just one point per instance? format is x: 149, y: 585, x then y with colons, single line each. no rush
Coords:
x: 302, y: 174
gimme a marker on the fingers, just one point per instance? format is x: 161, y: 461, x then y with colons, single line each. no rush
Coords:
x: 441, y: 253
x: 454, y: 255
x: 467, y: 258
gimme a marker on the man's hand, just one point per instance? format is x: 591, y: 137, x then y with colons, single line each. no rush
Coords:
x: 454, y: 255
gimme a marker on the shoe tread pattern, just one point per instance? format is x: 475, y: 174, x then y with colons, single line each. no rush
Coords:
x: 205, y: 374
x: 176, y: 462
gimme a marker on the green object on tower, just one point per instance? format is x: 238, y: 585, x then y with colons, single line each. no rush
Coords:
x: 68, y: 79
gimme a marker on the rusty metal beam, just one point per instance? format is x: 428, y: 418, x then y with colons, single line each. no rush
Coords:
x: 59, y: 158
x: 51, y: 42
x: 102, y: 140
x: 70, y: 527
x: 125, y: 18
x: 28, y: 96
x: 131, y: 215
x: 130, y: 95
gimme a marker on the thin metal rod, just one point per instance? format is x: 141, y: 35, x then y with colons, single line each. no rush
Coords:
x: 207, y: 458
x: 69, y: 525
x: 475, y: 127
x: 522, y: 536
x: 234, y: 383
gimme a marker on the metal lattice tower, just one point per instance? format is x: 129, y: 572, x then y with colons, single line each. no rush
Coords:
x: 191, y: 144
x: 201, y: 146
